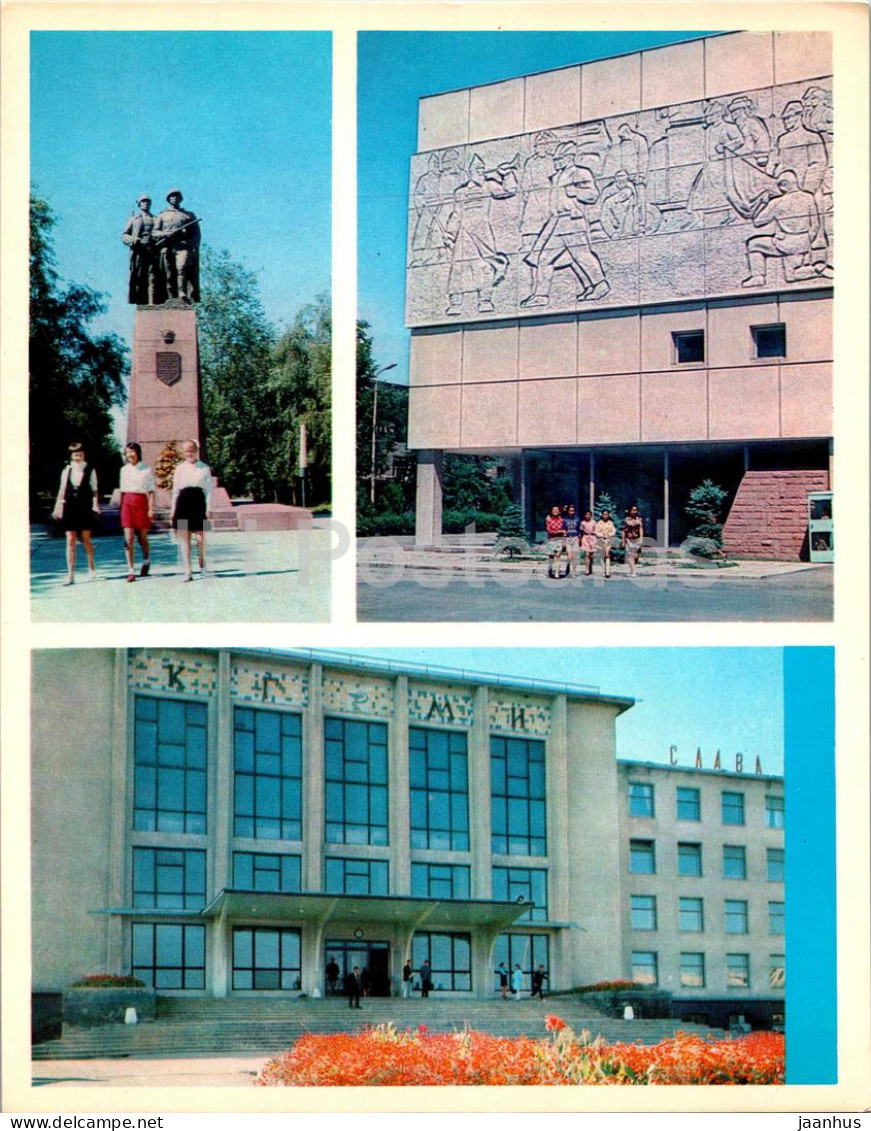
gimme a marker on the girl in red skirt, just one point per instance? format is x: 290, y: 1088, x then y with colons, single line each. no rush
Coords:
x: 137, y: 507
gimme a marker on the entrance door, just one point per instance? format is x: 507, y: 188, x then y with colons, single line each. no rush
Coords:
x: 373, y: 958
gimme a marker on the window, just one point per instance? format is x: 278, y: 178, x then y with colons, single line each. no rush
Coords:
x: 738, y: 971
x: 733, y: 808
x: 169, y: 877
x: 736, y: 917
x: 689, y: 804
x: 769, y: 341
x: 439, y: 777
x: 356, y: 782
x: 777, y: 971
x: 774, y: 812
x: 642, y: 857
x: 774, y: 865
x: 691, y: 914
x: 450, y: 958
x: 644, y: 967
x: 642, y: 911
x: 531, y: 883
x: 440, y: 881
x: 692, y: 969
x: 169, y: 956
x: 266, y: 959
x: 517, y: 796
x: 640, y: 799
x: 689, y: 859
x: 169, y: 755
x: 776, y: 917
x: 258, y: 871
x: 267, y: 750
x: 689, y: 345
x: 526, y: 951
x: 356, y: 877
x: 734, y: 862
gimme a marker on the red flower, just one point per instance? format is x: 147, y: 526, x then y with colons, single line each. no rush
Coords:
x: 553, y: 1024
x: 422, y: 1029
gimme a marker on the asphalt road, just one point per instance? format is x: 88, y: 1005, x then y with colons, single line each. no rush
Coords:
x: 800, y: 596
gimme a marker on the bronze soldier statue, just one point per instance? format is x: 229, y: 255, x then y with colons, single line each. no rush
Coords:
x: 177, y: 235
x: 146, y: 280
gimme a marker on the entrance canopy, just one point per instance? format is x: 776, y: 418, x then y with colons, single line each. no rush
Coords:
x: 401, y: 911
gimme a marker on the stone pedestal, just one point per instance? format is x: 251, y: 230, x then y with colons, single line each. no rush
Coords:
x: 165, y: 397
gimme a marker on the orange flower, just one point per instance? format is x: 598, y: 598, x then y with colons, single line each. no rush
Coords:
x: 554, y: 1024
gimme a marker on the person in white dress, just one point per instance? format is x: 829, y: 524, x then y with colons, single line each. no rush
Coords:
x: 191, y: 496
x: 77, y: 509
x: 137, y: 507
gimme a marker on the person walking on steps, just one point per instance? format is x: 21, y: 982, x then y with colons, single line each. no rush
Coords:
x: 352, y: 988
x: 425, y: 978
x: 502, y: 975
x: 517, y: 981
x: 407, y: 978
x: 538, y: 977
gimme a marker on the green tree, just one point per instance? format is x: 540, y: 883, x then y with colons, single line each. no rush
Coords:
x: 76, y: 377
x: 704, y: 509
x: 391, y: 428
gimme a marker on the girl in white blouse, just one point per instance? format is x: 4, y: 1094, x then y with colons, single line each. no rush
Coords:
x: 77, y: 509
x: 191, y: 494
x: 137, y: 507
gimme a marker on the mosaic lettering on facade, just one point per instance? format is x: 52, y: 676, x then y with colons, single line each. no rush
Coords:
x: 521, y: 715
x: 721, y: 196
x: 172, y: 671
x: 440, y: 705
x: 283, y: 686
x: 366, y: 696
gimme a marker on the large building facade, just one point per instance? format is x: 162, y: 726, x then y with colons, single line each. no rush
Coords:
x: 619, y: 282
x: 226, y: 822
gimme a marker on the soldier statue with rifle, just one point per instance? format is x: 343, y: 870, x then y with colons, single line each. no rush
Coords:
x: 146, y: 280
x: 176, y: 234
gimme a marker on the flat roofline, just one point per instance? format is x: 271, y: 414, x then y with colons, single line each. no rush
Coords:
x: 631, y: 763
x: 437, y: 672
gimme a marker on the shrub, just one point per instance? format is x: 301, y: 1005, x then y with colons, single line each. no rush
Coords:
x: 386, y: 525
x: 703, y: 509
x: 511, y: 523
x: 108, y: 981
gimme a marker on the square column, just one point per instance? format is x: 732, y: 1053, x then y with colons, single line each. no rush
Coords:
x: 118, y: 893
x: 220, y: 817
x: 479, y: 796
x: 400, y: 817
x: 428, y: 504
x: 313, y: 778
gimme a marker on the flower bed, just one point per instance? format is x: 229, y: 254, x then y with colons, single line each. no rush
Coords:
x: 383, y: 1056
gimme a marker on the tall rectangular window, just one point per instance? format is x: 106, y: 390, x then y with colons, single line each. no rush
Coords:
x: 641, y: 799
x: 692, y: 969
x: 450, y: 958
x: 267, y: 749
x: 265, y: 958
x: 736, y: 917
x: 169, y: 877
x: 738, y: 971
x: 642, y: 857
x: 689, y: 804
x: 774, y: 809
x: 440, y: 881
x: 689, y: 859
x: 169, y: 755
x: 642, y: 912
x: 528, y: 883
x: 776, y: 917
x: 732, y: 808
x: 526, y: 951
x: 349, y: 876
x: 734, y: 862
x: 438, y: 767
x: 263, y: 871
x: 170, y: 956
x: 518, y: 815
x: 645, y: 967
x: 691, y: 913
x: 777, y: 971
x: 356, y: 782
x: 774, y: 865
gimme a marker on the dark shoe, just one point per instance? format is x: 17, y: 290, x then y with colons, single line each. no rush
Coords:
x: 144, y: 568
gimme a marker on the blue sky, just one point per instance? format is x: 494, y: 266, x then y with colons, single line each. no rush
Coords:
x: 239, y: 121
x: 731, y: 698
x: 394, y: 70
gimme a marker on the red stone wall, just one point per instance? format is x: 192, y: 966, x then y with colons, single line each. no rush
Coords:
x: 768, y: 518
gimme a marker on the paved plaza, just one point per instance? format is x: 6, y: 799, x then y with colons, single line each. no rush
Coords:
x: 150, y: 1072
x: 268, y: 576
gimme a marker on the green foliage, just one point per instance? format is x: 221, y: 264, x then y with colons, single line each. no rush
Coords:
x: 469, y: 484
x: 605, y: 503
x: 76, y: 377
x: 511, y: 523
x: 703, y: 509
x: 108, y: 981
x: 391, y: 431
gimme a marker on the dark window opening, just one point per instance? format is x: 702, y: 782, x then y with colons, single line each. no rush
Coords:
x: 689, y: 345
x: 770, y: 341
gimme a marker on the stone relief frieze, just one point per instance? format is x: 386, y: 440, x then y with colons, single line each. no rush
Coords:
x: 716, y: 196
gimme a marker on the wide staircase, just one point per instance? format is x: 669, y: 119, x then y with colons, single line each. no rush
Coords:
x: 186, y: 1027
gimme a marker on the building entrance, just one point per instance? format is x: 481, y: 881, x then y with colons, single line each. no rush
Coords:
x: 373, y: 958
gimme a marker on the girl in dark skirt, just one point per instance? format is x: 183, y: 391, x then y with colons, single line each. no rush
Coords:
x: 77, y: 509
x: 137, y: 507
x: 191, y: 493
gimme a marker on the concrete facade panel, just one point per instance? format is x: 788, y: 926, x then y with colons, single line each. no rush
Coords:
x: 491, y: 354
x: 443, y: 119
x: 610, y: 345
x: 496, y: 110
x: 744, y: 404
x: 801, y: 55
x: 553, y: 98
x: 610, y: 86
x: 434, y: 417
x: 672, y: 74
x: 729, y: 338
x: 657, y: 330
x: 547, y: 412
x: 436, y: 359
x: 674, y: 406
x: 738, y: 62
x: 489, y: 416
x: 548, y: 349
x: 808, y: 329
x: 806, y: 400
x: 608, y: 410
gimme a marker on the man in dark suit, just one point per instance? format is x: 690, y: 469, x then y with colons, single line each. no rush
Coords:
x: 352, y: 987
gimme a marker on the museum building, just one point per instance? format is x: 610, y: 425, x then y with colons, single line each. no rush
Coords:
x: 619, y: 283
x: 227, y: 822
